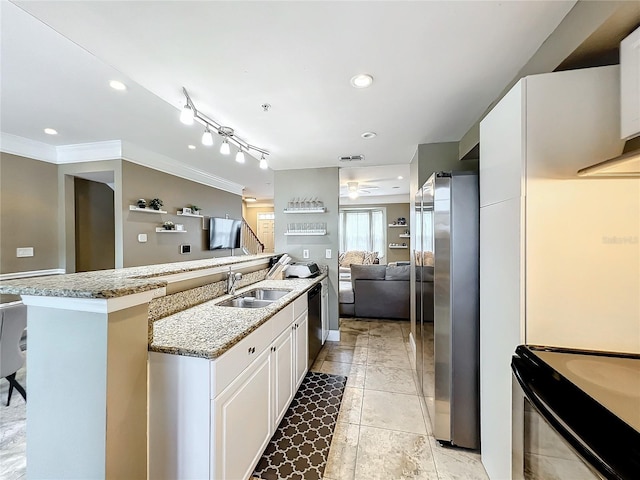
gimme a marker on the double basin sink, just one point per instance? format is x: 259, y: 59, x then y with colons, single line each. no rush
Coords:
x: 256, y: 298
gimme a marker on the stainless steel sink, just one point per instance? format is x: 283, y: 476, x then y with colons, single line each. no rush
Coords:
x: 249, y: 302
x: 264, y: 294
x: 256, y: 298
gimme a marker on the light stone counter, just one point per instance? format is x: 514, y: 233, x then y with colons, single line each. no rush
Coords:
x: 114, y: 283
x: 208, y: 330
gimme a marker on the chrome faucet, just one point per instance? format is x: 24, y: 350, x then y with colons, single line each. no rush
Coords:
x: 232, y: 280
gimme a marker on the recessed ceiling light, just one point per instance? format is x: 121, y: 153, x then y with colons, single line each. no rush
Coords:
x: 50, y: 131
x: 117, y: 85
x: 368, y: 134
x: 191, y: 147
x: 400, y: 177
x: 362, y: 81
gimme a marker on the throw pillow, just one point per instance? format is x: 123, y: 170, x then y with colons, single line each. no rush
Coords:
x: 352, y: 257
x: 369, y: 258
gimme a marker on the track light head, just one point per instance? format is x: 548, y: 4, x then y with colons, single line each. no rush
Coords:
x: 353, y: 195
x: 187, y: 114
x: 240, y: 156
x: 263, y: 163
x: 207, y: 137
x: 225, y: 149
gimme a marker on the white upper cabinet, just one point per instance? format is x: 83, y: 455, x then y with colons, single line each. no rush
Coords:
x: 630, y: 85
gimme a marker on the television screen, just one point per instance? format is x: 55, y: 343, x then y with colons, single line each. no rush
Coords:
x: 224, y: 233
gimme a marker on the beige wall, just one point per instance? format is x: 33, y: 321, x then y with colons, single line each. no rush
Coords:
x: 29, y: 213
x: 142, y: 182
x: 394, y: 211
x: 251, y: 216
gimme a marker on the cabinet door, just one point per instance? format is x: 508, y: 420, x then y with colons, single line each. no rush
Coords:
x: 282, y: 364
x: 630, y: 85
x: 301, y: 329
x: 242, y: 421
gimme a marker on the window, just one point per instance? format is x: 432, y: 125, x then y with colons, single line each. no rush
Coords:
x: 363, y: 229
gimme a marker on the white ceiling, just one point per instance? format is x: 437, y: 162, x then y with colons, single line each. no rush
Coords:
x: 436, y: 68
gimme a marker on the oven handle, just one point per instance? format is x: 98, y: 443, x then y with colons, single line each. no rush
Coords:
x: 519, y: 368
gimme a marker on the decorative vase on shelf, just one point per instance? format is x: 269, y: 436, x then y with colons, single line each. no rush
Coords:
x: 155, y: 203
x: 142, y: 203
x: 168, y: 225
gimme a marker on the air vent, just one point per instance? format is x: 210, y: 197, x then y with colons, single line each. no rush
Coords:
x: 352, y: 158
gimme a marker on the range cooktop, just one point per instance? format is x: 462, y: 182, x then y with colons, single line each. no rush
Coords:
x: 591, y: 398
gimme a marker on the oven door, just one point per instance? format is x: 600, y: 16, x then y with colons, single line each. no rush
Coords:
x: 538, y: 451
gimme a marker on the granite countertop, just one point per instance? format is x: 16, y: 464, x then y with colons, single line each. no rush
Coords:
x: 113, y: 283
x: 208, y: 330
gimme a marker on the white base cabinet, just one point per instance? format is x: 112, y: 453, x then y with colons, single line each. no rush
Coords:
x: 212, y: 419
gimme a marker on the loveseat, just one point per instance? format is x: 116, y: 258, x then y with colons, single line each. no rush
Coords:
x: 376, y: 291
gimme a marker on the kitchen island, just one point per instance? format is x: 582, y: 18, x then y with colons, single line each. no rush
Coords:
x: 89, y: 335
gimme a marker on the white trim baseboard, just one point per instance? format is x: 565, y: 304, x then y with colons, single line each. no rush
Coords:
x: 32, y: 273
x: 334, y: 336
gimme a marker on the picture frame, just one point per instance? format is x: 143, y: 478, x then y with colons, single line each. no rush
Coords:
x: 186, y: 210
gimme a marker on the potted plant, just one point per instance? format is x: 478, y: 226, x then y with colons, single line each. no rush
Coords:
x: 168, y: 225
x: 142, y: 203
x: 196, y: 209
x: 155, y: 203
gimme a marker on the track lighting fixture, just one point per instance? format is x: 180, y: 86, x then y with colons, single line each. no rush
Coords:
x: 240, y: 156
x: 190, y: 113
x: 224, y: 148
x: 207, y: 137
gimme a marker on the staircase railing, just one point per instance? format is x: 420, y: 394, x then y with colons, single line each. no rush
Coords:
x: 250, y: 241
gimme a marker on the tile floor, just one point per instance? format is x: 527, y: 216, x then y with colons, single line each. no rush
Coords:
x: 383, y: 429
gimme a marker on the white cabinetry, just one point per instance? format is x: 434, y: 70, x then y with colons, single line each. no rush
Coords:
x: 630, y: 85
x: 213, y: 418
x: 547, y: 274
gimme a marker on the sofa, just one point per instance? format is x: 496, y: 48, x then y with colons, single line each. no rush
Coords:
x: 355, y: 257
x: 376, y: 291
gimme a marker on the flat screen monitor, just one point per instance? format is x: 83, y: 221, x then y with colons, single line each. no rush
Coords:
x: 224, y: 233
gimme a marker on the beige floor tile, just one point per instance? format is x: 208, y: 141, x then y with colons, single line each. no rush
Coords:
x: 397, y: 358
x: 386, y: 343
x: 354, y: 372
x: 424, y: 407
x: 347, y: 354
x: 394, y: 411
x: 388, y: 455
x: 341, y: 462
x: 457, y: 464
x: 351, y: 406
x: 317, y: 366
x: 385, y: 329
x: 347, y: 325
x: 390, y: 379
x: 355, y: 338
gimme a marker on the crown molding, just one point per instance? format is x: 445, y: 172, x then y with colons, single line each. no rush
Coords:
x: 25, y: 147
x: 162, y: 163
x: 89, y: 152
x: 375, y: 200
x: 110, y: 150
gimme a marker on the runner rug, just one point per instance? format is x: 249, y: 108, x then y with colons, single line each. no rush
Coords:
x: 300, y: 446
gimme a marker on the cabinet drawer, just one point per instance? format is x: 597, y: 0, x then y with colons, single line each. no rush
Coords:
x: 282, y: 320
x: 226, y: 368
x: 300, y: 305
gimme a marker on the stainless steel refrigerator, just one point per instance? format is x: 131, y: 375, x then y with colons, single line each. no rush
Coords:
x: 446, y: 257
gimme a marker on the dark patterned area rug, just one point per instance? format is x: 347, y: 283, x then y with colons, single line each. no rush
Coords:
x: 299, y: 448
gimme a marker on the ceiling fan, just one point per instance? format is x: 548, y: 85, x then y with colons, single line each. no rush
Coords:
x: 355, y: 189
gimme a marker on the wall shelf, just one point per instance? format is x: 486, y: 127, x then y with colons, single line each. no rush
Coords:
x: 309, y: 210
x: 162, y: 230
x: 398, y: 226
x: 133, y: 208
x: 308, y: 234
x: 398, y: 246
x: 189, y: 215
x: 404, y: 235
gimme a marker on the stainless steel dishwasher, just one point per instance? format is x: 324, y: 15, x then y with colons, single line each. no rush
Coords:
x: 315, y: 322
